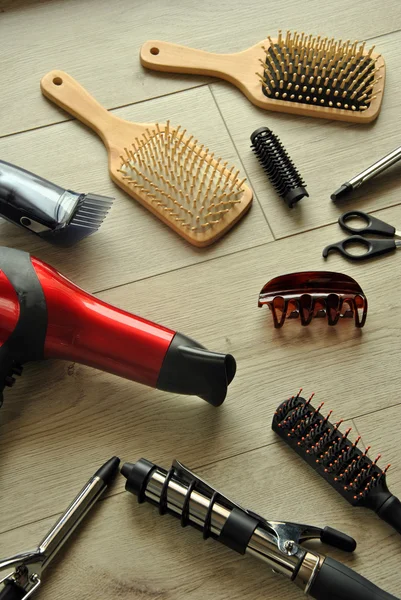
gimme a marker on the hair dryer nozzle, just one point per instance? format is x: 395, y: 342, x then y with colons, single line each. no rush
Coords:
x: 188, y: 368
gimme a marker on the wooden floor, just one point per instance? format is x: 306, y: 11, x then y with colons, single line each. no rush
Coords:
x: 61, y: 421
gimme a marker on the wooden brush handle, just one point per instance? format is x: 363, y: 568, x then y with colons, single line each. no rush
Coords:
x: 64, y: 91
x: 163, y: 56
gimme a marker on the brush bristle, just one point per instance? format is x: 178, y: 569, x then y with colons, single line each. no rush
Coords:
x: 322, y: 445
x: 319, y: 71
x: 181, y: 179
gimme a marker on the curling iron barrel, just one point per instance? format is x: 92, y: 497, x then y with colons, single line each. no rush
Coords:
x: 182, y: 493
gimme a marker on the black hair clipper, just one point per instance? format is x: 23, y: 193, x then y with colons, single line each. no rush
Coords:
x: 60, y: 216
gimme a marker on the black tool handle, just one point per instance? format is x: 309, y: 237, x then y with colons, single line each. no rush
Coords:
x: 373, y: 226
x: 12, y: 591
x: 390, y: 512
x: 373, y: 247
x: 335, y: 581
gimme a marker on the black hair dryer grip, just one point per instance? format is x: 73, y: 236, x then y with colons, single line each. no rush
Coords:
x: 335, y: 581
x: 373, y: 247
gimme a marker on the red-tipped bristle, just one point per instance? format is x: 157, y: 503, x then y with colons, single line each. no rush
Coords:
x: 318, y: 409
x: 328, y: 416
x: 299, y: 393
x: 330, y: 451
x: 337, y: 425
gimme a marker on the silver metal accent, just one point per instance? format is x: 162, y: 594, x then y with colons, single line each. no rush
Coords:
x: 24, y: 575
x: 34, y: 226
x: 274, y: 542
x: 28, y: 566
x: 36, y: 583
x: 308, y: 571
x: 377, y: 167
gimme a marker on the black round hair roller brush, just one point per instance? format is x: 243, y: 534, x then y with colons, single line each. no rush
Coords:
x: 279, y: 167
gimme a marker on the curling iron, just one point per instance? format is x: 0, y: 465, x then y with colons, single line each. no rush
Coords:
x: 182, y: 493
x: 44, y: 315
x: 59, y: 216
x: 24, y: 571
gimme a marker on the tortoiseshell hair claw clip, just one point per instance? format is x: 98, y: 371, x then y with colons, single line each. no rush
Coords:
x: 312, y: 294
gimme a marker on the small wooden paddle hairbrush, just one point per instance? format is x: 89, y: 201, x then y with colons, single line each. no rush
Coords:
x: 196, y: 195
x: 300, y: 74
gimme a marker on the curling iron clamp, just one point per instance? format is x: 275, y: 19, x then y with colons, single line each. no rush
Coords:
x: 182, y: 493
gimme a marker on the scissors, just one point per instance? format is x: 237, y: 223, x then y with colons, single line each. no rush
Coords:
x: 374, y: 247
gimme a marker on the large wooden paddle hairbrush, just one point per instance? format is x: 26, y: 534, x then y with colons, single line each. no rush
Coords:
x: 296, y: 73
x: 168, y: 172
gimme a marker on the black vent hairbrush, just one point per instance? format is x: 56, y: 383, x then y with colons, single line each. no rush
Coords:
x: 55, y: 214
x: 278, y: 166
x: 348, y: 470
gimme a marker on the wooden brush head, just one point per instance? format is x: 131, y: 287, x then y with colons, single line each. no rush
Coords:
x: 199, y: 196
x: 322, y: 73
x: 168, y: 172
x: 296, y: 73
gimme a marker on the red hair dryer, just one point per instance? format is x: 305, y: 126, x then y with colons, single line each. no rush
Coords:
x: 44, y: 315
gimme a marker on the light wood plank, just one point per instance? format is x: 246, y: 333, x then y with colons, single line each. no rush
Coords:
x: 131, y: 243
x: 99, y: 41
x: 59, y: 412
x: 128, y: 550
x: 326, y: 153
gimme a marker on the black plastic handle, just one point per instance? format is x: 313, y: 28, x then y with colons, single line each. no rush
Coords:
x: 390, y: 512
x: 12, y: 591
x: 373, y: 247
x: 335, y: 581
x: 373, y: 226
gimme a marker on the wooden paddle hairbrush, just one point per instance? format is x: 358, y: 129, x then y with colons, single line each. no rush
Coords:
x: 300, y: 74
x: 169, y: 173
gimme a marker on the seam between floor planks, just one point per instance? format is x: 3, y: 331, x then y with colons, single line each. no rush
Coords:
x: 255, y: 196
x: 213, y: 258
x: 127, y: 105
x: 208, y: 84
x: 198, y: 467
